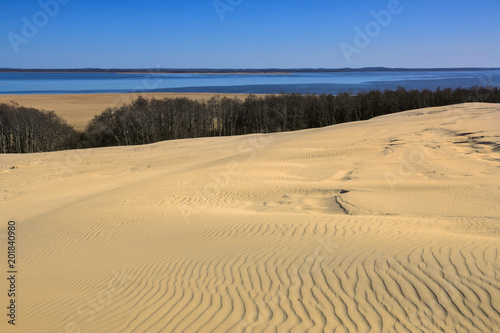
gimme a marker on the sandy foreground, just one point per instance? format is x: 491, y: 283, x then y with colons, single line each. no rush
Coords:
x: 386, y: 225
x: 79, y: 109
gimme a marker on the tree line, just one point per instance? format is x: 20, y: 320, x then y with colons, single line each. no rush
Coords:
x: 24, y: 130
x: 29, y: 130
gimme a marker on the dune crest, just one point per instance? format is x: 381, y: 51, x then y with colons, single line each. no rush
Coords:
x: 385, y: 225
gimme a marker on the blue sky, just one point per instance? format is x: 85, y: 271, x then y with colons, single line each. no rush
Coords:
x: 251, y: 33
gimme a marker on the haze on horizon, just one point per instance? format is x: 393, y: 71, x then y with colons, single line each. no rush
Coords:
x: 249, y: 34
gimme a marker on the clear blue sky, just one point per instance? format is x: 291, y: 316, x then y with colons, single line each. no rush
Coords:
x: 253, y: 34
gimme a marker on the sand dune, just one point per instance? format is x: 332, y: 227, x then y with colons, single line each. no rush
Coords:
x: 386, y: 225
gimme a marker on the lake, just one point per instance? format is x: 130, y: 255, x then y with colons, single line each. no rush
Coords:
x: 317, y: 83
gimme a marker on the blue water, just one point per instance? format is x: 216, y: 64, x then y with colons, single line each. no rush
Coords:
x: 318, y: 83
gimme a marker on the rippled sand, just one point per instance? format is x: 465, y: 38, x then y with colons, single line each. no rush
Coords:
x: 386, y: 225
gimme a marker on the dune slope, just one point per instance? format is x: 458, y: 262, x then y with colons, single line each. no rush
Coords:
x: 386, y: 225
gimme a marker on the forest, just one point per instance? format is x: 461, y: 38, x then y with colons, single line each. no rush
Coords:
x: 27, y: 130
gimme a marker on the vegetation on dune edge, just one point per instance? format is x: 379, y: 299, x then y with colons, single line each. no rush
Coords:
x: 28, y: 130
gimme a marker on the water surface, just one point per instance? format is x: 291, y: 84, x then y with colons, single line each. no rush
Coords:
x: 318, y: 83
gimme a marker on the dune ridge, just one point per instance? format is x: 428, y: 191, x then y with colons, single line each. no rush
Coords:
x: 385, y: 225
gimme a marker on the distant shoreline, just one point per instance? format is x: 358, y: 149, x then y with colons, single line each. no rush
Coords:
x: 241, y: 71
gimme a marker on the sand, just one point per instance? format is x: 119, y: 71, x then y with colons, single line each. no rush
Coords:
x: 385, y: 225
x: 79, y: 109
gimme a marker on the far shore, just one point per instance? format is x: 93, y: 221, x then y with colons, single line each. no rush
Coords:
x: 79, y: 109
x: 202, y: 73
x: 240, y: 70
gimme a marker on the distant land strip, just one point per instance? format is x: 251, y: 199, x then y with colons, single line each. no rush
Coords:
x: 237, y: 71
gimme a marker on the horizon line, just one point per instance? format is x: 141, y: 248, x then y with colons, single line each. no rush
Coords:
x: 229, y: 70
